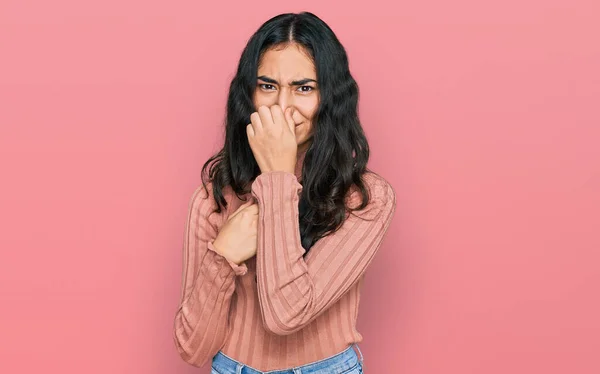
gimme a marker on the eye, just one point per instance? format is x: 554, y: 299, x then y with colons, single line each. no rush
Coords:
x: 266, y: 86
x: 305, y: 88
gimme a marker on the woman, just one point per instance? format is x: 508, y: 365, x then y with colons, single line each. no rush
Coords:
x: 278, y: 239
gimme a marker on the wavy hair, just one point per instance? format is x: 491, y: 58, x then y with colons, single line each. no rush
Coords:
x: 338, y: 154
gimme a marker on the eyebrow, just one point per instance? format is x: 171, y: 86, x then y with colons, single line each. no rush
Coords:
x: 294, y: 83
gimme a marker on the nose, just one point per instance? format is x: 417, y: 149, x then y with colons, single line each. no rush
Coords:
x: 285, y: 99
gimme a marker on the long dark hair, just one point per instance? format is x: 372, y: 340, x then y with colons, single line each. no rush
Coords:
x: 338, y: 154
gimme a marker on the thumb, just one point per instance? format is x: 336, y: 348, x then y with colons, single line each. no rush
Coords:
x: 290, y: 120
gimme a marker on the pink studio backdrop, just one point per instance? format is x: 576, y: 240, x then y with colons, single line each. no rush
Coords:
x: 483, y: 116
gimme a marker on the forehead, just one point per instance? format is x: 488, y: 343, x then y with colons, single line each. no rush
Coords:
x: 288, y: 62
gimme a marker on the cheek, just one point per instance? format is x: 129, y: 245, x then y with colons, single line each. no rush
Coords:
x: 307, y: 108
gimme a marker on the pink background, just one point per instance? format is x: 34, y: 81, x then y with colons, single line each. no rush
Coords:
x: 483, y: 116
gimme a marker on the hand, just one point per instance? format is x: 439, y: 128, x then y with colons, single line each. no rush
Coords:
x: 237, y: 238
x: 272, y: 138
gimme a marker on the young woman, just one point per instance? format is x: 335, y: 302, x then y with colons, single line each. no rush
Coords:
x: 278, y: 239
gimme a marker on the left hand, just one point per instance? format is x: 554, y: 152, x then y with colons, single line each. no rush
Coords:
x: 272, y: 138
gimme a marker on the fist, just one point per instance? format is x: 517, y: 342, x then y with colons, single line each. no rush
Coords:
x: 237, y: 238
x: 272, y: 138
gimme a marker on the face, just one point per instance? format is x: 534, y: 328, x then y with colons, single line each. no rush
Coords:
x: 287, y: 77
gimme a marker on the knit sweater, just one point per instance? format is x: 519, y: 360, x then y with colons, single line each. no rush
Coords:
x: 278, y: 309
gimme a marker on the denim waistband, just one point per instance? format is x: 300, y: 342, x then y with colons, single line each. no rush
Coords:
x: 339, y: 363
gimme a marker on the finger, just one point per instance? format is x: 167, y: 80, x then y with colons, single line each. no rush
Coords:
x: 253, y: 208
x: 265, y: 116
x: 238, y: 211
x: 250, y: 131
x: 241, y: 208
x: 290, y: 120
x: 277, y: 114
x: 256, y: 122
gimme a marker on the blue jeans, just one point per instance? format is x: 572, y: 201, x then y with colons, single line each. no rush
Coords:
x: 346, y: 362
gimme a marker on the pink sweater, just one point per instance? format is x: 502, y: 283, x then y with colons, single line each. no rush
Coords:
x: 278, y: 309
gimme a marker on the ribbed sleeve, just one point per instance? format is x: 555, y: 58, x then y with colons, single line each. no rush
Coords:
x: 292, y: 290
x: 201, y: 321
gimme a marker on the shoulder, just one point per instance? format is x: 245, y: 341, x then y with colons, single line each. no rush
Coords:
x: 204, y: 194
x: 382, y: 196
x: 203, y: 203
x: 379, y: 187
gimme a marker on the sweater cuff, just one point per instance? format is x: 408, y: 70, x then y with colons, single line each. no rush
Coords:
x: 238, y: 269
x: 277, y: 179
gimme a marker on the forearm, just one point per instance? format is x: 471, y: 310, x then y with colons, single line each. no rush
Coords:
x: 200, y: 325
x: 294, y: 289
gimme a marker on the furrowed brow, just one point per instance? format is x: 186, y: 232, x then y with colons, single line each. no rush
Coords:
x: 302, y: 82
x: 267, y: 79
x: 294, y: 83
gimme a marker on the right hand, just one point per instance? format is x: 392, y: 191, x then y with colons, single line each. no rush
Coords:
x: 237, y: 238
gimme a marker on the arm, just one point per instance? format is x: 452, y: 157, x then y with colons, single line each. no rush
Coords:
x: 201, y: 321
x: 292, y: 290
